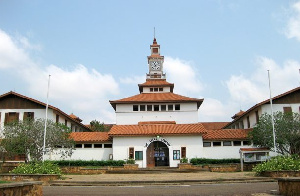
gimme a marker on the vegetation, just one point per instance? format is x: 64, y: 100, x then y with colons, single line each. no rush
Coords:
x: 27, y: 137
x: 203, y: 161
x: 184, y: 160
x: 37, y: 168
x: 88, y: 163
x: 287, y: 127
x: 130, y: 161
x: 98, y: 126
x: 279, y: 163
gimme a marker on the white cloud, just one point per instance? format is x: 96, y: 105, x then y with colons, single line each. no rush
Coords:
x: 253, y: 88
x: 184, y: 75
x: 293, y: 26
x: 79, y: 90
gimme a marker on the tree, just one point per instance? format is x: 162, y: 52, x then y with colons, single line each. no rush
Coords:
x: 98, y: 126
x: 287, y: 129
x: 27, y: 137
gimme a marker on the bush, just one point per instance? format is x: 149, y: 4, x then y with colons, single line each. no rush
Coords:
x: 37, y: 168
x: 279, y: 163
x: 81, y: 163
x: 130, y: 161
x: 184, y: 160
x: 203, y: 161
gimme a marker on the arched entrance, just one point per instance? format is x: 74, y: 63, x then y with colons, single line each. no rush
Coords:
x: 157, y: 154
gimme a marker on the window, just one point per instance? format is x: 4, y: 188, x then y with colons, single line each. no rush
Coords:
x: 241, y: 124
x: 149, y: 107
x: 142, y: 108
x: 97, y: 145
x: 138, y: 155
x: 183, y: 152
x: 131, y: 153
x: 177, y: 106
x: 66, y: 122
x: 176, y: 154
x: 155, y: 89
x: 216, y: 143
x: 78, y: 145
x: 156, y: 107
x: 151, y: 89
x: 135, y: 108
x: 246, y: 143
x: 57, y: 118
x: 206, y: 144
x: 237, y: 143
x: 248, y: 121
x: 163, y: 107
x: 256, y: 116
x: 161, y: 89
x: 28, y: 116
x: 155, y: 50
x: 107, y: 145
x: 170, y: 107
x: 227, y: 143
x: 11, y: 117
x: 87, y: 145
x: 287, y: 109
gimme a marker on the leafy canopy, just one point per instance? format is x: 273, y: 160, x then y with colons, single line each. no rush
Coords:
x: 287, y: 131
x: 27, y: 137
x: 97, y: 126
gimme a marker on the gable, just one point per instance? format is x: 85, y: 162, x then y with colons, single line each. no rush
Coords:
x: 15, y: 102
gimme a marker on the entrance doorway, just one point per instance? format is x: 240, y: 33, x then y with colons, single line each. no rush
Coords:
x: 157, y: 154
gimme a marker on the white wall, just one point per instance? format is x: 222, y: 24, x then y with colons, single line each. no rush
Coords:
x: 193, y: 146
x: 188, y: 113
x: 84, y: 154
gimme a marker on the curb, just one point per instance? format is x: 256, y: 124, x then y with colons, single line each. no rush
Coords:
x: 166, y: 182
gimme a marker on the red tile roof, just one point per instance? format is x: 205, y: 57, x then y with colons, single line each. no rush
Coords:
x: 43, y: 104
x: 156, y: 122
x: 262, y: 103
x: 156, y: 98
x: 222, y: 134
x: 156, y: 129
x: 90, y: 137
x: 214, y: 125
x: 156, y: 83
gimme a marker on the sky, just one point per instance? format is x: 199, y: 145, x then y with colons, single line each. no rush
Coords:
x: 96, y: 51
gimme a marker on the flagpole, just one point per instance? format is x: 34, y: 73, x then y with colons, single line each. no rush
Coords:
x: 273, y: 127
x: 45, y: 130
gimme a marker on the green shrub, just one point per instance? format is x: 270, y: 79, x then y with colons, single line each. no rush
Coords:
x: 130, y: 161
x: 203, y: 161
x: 279, y: 163
x: 82, y: 163
x: 184, y: 160
x: 37, y: 168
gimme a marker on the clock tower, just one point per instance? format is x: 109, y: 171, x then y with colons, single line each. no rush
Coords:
x: 155, y: 62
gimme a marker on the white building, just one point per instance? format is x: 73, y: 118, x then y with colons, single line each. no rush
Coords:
x: 286, y: 102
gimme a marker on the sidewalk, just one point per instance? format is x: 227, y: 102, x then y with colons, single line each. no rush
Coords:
x: 158, y: 178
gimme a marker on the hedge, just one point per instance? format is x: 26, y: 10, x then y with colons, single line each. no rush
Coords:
x: 203, y: 161
x: 88, y: 163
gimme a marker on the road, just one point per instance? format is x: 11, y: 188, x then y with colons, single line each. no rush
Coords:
x: 237, y: 189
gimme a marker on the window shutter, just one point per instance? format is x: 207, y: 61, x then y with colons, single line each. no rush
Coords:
x: 131, y: 153
x: 183, y: 152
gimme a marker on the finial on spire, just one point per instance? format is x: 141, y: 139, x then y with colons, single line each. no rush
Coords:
x: 154, y: 32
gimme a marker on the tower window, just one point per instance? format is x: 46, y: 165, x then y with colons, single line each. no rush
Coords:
x: 135, y: 108
x: 149, y: 107
x: 151, y: 89
x: 177, y: 107
x: 163, y: 107
x: 170, y: 107
x: 155, y: 50
x: 155, y: 89
x: 142, y: 108
x: 161, y: 89
x: 156, y: 107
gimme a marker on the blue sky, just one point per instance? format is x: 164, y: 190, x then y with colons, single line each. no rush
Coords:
x: 96, y: 51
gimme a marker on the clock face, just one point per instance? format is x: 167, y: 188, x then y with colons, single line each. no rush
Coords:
x: 155, y: 65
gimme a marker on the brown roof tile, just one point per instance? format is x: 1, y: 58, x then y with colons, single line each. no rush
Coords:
x: 214, y: 125
x: 90, y: 136
x: 156, y: 129
x: 222, y: 134
x: 156, y: 98
x: 254, y: 149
